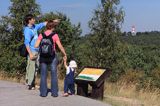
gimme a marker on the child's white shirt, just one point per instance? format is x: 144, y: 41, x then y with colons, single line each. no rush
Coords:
x: 68, y: 70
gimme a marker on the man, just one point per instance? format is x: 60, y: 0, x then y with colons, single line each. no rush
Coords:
x: 31, y: 34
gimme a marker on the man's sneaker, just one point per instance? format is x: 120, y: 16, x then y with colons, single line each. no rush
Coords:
x: 33, y: 88
x: 29, y: 87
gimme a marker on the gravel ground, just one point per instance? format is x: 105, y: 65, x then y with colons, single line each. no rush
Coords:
x: 15, y: 94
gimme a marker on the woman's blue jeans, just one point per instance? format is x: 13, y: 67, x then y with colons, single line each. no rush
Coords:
x: 54, y: 79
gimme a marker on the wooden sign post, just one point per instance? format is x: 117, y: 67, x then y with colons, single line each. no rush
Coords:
x: 95, y: 77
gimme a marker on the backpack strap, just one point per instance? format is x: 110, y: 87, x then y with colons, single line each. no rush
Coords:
x: 44, y: 35
x: 52, y: 34
x: 33, y: 32
x: 49, y: 36
x: 31, y: 39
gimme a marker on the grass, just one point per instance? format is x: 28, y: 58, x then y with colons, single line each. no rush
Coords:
x: 116, y: 94
x: 122, y: 94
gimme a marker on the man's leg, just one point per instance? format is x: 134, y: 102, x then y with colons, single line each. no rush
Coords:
x: 31, y: 73
x: 27, y: 70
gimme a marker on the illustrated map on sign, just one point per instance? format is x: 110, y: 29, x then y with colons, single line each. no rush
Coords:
x: 90, y: 74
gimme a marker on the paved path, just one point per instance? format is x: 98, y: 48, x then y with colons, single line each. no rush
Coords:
x: 15, y: 94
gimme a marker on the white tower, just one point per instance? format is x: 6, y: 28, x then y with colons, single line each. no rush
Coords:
x: 133, y: 30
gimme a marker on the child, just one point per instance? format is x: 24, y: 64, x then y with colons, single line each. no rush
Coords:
x: 69, y: 79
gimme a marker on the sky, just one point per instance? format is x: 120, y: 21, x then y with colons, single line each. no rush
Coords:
x: 143, y: 14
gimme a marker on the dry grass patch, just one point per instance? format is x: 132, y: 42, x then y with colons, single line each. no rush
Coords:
x: 124, y: 94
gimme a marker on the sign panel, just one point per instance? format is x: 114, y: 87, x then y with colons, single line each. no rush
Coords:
x: 90, y: 74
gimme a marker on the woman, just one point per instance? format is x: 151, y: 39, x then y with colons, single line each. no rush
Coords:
x: 47, y: 58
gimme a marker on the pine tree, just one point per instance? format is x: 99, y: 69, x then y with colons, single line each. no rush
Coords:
x: 105, y: 30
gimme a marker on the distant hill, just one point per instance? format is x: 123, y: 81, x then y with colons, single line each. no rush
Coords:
x: 143, y: 39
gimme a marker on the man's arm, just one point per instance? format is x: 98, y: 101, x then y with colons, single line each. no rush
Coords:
x: 37, y: 43
x: 43, y: 24
x: 56, y: 21
x: 29, y: 52
x: 27, y: 42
